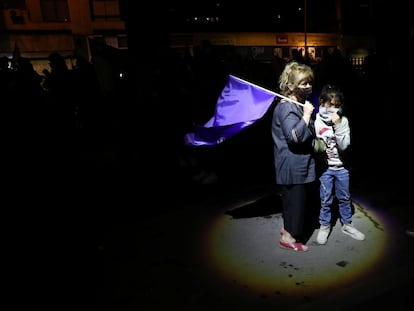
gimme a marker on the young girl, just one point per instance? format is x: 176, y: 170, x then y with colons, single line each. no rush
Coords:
x: 333, y: 128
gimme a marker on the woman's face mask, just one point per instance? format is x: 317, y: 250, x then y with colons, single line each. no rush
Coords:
x: 304, y: 89
x: 304, y: 92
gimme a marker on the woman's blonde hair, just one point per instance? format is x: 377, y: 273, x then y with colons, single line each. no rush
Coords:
x: 289, y: 78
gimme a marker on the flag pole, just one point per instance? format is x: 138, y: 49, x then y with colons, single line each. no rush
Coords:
x: 289, y: 99
x: 277, y: 94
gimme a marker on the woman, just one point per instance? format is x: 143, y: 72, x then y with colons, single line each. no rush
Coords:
x: 293, y: 135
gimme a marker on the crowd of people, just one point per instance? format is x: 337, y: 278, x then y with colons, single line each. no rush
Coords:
x: 61, y: 98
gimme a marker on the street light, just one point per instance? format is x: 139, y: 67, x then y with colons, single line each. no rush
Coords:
x: 305, y: 27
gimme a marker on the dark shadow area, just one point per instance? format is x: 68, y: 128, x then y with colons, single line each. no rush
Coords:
x: 265, y: 206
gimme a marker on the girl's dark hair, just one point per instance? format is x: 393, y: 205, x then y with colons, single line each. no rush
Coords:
x: 332, y: 93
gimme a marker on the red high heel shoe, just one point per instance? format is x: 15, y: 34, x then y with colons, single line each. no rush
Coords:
x: 295, y: 246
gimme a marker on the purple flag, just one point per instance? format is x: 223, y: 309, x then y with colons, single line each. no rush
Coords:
x: 239, y: 105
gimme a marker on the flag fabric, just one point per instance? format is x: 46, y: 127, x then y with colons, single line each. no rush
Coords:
x: 239, y: 105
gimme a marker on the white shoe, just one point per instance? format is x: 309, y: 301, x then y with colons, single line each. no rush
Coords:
x: 323, y: 234
x: 352, y: 232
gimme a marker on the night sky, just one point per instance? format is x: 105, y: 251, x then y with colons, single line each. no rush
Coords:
x: 274, y: 16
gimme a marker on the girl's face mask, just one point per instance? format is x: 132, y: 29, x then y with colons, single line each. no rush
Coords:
x: 326, y: 114
x: 328, y: 111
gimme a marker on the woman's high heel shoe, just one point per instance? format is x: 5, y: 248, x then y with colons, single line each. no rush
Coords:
x: 295, y: 246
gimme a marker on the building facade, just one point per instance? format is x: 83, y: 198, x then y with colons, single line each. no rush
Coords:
x: 36, y: 28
